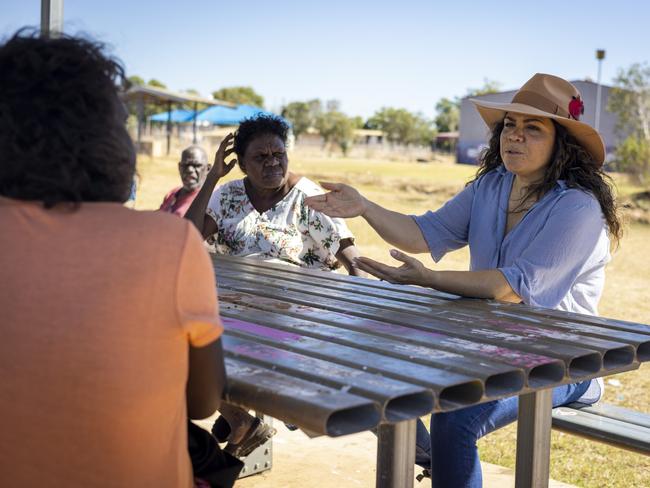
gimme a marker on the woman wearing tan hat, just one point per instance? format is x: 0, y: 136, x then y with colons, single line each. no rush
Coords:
x: 538, y: 219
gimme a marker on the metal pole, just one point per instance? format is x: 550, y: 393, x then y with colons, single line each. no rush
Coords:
x: 194, y: 125
x: 169, y: 126
x: 141, y: 120
x: 396, y: 454
x: 534, y: 439
x: 600, y: 55
x: 51, y: 18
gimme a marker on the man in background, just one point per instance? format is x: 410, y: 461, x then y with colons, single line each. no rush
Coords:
x: 193, y: 169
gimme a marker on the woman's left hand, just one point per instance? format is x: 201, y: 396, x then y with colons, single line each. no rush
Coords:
x: 412, y: 272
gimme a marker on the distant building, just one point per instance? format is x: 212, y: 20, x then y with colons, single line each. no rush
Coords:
x: 473, y: 133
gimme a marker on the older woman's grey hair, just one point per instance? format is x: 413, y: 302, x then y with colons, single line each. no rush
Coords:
x: 62, y: 126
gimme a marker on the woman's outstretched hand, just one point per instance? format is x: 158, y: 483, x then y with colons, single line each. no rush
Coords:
x: 220, y: 168
x: 341, y: 201
x: 412, y: 272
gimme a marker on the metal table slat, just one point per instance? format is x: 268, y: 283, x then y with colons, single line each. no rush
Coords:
x: 501, y: 379
x: 416, y: 294
x: 582, y: 362
x: 331, y: 411
x: 398, y: 400
x: 615, y: 354
x: 453, y: 390
x: 540, y: 369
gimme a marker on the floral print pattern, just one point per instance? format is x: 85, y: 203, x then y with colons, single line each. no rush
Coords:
x: 289, y: 231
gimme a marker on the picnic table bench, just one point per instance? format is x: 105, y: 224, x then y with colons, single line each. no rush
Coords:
x: 616, y: 426
x: 336, y: 355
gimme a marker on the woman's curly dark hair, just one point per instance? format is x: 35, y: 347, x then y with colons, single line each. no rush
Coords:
x: 62, y: 131
x: 256, y: 126
x: 569, y: 162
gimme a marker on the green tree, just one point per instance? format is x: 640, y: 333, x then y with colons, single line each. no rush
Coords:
x: 190, y: 105
x: 358, y: 122
x: 156, y: 83
x: 633, y: 157
x: 630, y: 101
x: 149, y: 108
x: 401, y: 126
x: 336, y: 128
x: 239, y: 95
x: 302, y: 115
x: 447, y: 115
x: 489, y: 86
x: 135, y: 80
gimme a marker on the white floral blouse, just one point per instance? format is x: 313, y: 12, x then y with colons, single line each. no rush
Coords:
x: 289, y: 231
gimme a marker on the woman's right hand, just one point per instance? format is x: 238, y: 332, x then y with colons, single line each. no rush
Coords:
x: 220, y: 168
x: 341, y: 201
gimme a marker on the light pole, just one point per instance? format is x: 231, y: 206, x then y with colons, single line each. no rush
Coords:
x: 600, y: 55
x: 51, y: 18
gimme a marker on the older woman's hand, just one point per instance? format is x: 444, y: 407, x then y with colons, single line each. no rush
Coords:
x: 342, y: 201
x: 412, y: 272
x: 220, y: 168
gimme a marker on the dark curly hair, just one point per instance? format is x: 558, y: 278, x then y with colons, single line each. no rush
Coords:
x: 569, y: 162
x: 256, y: 126
x: 62, y: 127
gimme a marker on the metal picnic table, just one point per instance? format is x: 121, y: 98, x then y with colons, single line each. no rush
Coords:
x: 336, y: 355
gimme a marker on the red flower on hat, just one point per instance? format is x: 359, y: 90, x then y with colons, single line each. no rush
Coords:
x: 576, y: 108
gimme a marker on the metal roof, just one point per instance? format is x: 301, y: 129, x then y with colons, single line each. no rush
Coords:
x: 154, y: 94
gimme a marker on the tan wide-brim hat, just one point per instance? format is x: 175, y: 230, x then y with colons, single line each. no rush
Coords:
x: 551, y: 97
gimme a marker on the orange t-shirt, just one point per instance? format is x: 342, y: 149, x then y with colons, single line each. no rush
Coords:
x: 98, y: 307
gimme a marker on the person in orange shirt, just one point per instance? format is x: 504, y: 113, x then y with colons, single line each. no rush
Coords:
x: 110, y: 325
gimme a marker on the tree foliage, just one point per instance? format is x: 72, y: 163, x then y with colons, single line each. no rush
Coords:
x: 401, y: 126
x: 302, y: 115
x: 448, y: 110
x: 633, y: 157
x: 336, y: 128
x: 447, y: 115
x: 149, y: 108
x: 239, y: 95
x: 489, y: 86
x: 135, y: 80
x: 156, y: 83
x: 190, y: 105
x: 630, y: 101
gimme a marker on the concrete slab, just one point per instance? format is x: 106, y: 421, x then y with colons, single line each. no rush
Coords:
x: 344, y: 462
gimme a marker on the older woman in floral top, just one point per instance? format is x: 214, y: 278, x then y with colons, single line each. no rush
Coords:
x: 264, y: 215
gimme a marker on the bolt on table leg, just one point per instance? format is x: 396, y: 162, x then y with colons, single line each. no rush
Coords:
x: 534, y: 439
x: 396, y: 454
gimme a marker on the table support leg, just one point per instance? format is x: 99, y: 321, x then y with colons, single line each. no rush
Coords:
x: 396, y: 454
x: 534, y: 439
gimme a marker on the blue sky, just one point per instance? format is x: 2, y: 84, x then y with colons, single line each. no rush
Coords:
x: 366, y: 54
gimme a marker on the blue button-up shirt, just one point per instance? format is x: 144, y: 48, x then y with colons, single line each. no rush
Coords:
x: 554, y: 257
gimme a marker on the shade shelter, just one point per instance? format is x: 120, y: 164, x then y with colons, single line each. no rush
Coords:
x: 141, y: 94
x: 219, y: 115
x: 177, y: 116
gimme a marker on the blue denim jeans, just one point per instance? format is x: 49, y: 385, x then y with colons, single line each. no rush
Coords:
x: 451, y: 449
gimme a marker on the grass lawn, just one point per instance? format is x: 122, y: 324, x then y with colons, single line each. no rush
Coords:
x: 414, y: 188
